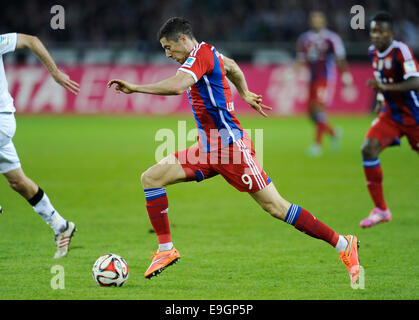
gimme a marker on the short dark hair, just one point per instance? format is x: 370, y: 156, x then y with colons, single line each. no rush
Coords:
x: 383, y: 17
x: 174, y: 27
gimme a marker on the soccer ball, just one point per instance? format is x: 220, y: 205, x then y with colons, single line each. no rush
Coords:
x: 110, y: 270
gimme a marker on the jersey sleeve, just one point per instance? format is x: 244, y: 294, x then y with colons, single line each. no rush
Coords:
x: 199, y: 63
x: 408, y: 62
x: 338, y: 47
x: 8, y: 42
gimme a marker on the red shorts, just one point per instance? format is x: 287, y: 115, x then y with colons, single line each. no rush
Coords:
x: 389, y: 133
x: 237, y: 164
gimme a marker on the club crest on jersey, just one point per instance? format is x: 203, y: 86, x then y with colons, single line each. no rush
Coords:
x: 189, y: 62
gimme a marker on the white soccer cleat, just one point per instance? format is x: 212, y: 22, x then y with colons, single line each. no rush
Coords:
x: 315, y: 150
x: 63, y: 240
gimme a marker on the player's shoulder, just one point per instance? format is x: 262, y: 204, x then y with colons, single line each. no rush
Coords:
x: 306, y: 35
x: 404, y: 50
x: 372, y: 50
x: 201, y: 49
x: 331, y: 34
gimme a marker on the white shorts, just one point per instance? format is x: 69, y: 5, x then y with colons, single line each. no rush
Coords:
x: 9, y: 159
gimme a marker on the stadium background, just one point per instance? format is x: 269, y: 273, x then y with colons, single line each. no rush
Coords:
x: 117, y: 39
x: 89, y: 159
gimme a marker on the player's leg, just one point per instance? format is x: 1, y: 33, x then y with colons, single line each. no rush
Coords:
x: 321, y: 95
x: 154, y: 181
x: 347, y: 246
x: 273, y: 203
x: 412, y: 135
x: 322, y: 127
x: 42, y: 205
x: 247, y: 175
x: 381, y: 135
x: 10, y: 167
x: 168, y: 171
x: 37, y: 198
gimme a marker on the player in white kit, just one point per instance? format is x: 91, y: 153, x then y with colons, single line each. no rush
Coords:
x: 10, y: 165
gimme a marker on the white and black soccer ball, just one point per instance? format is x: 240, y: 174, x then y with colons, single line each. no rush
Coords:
x: 1, y: 209
x: 110, y: 270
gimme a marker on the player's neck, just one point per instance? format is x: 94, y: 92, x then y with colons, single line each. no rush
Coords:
x: 386, y: 46
x: 318, y: 30
x: 192, y: 44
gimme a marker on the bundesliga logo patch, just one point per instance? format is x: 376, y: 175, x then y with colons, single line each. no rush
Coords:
x: 189, y: 62
x: 4, y: 39
x: 410, y: 67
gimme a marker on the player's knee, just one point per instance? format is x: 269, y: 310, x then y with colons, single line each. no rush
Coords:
x: 369, y: 150
x: 18, y: 185
x: 149, y: 180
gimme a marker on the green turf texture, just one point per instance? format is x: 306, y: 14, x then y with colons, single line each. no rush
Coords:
x: 231, y: 249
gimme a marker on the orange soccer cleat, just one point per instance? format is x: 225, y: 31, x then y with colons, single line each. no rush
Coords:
x: 350, y: 257
x: 161, y: 260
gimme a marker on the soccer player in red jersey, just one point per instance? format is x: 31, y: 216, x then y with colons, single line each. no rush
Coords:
x: 321, y: 50
x: 223, y: 146
x: 397, y: 85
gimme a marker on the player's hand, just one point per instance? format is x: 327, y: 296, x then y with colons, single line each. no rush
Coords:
x: 376, y: 85
x: 64, y: 80
x: 255, y: 101
x: 380, y: 103
x: 122, y: 86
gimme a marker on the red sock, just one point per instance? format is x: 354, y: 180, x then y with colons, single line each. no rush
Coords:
x: 374, y: 175
x: 305, y: 222
x: 157, y: 207
x: 321, y: 129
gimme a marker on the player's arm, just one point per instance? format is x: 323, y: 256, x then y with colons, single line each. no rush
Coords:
x: 343, y: 67
x: 175, y: 85
x: 236, y: 76
x: 410, y: 84
x: 37, y: 47
x: 341, y: 61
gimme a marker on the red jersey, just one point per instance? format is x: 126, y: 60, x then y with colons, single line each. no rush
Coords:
x: 319, y: 51
x: 211, y: 99
x: 395, y: 65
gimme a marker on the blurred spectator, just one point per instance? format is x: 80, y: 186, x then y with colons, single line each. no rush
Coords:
x: 135, y: 22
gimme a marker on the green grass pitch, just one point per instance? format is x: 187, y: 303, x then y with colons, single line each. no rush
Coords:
x: 231, y: 249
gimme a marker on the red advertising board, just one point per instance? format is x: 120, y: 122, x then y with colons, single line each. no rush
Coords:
x: 35, y: 91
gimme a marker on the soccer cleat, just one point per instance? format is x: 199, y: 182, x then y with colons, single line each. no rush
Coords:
x: 376, y: 216
x: 161, y: 260
x: 315, y: 150
x: 350, y: 257
x: 63, y: 240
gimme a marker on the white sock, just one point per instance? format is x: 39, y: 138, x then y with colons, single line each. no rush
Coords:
x: 342, y: 244
x: 165, y: 246
x: 45, y: 209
